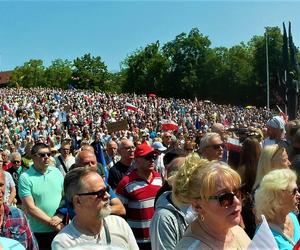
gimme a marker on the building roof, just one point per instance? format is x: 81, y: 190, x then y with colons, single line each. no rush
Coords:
x: 5, y: 77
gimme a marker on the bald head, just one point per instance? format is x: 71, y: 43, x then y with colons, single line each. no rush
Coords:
x: 218, y: 128
x: 86, y: 158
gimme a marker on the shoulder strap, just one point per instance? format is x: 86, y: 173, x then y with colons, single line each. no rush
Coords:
x: 62, y: 163
x: 107, y: 234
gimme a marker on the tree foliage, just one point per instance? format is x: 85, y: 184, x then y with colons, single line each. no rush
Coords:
x: 185, y: 67
x: 89, y: 73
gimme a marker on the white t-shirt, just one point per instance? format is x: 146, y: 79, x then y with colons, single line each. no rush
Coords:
x: 120, y: 233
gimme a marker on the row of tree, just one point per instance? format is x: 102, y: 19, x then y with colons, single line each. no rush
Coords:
x: 185, y: 67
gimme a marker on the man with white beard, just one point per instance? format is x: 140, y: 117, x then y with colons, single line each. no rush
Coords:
x: 86, y: 192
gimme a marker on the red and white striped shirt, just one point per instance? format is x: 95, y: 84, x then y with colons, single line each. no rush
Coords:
x: 138, y: 195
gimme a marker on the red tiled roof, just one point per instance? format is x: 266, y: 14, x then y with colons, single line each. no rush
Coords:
x: 5, y: 77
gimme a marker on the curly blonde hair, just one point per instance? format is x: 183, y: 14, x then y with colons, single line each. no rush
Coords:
x: 198, y: 179
x: 269, y: 195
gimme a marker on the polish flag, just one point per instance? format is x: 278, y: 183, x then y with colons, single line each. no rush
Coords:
x: 169, y: 125
x: 130, y: 106
x: 233, y: 145
x: 283, y: 115
x: 7, y: 108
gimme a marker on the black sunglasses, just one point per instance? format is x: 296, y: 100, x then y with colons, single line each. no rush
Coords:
x: 217, y: 146
x: 226, y: 199
x: 150, y: 157
x: 16, y: 161
x: 295, y: 191
x: 100, y: 193
x: 44, y: 154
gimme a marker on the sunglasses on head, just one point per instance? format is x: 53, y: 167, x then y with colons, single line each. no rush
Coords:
x: 44, y: 154
x: 217, y: 146
x: 150, y: 157
x: 100, y: 194
x: 226, y: 199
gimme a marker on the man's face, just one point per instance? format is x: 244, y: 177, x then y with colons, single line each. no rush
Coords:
x: 42, y: 158
x: 167, y: 138
x: 95, y: 206
x: 214, y: 150
x: 146, y: 163
x: 127, y: 150
x: 65, y: 150
x: 273, y: 132
x: 112, y: 148
x: 88, y: 159
x: 16, y: 161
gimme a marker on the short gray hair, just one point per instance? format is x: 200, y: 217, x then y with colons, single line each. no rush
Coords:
x: 73, y: 182
x: 205, y: 141
x: 15, y: 155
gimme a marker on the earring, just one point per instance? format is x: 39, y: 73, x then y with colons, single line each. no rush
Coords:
x: 202, y: 217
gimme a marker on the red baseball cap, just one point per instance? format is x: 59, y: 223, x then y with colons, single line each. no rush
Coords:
x: 143, y: 150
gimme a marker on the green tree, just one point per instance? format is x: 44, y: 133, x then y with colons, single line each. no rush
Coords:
x: 31, y: 74
x: 89, y: 73
x: 145, y: 70
x: 258, y: 46
x: 59, y: 73
x: 188, y: 64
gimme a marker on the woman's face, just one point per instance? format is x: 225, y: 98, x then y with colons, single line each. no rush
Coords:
x: 281, y: 160
x: 291, y: 197
x: 217, y: 215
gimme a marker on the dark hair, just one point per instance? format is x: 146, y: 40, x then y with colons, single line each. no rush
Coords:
x: 36, y: 147
x: 249, y: 157
x: 172, y: 154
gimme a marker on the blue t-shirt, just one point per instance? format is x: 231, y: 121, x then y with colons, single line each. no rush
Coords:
x: 282, y: 242
x: 10, y: 244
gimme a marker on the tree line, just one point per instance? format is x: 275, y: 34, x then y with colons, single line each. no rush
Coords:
x: 186, y: 67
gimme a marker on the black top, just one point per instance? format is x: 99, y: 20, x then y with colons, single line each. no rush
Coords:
x: 116, y: 173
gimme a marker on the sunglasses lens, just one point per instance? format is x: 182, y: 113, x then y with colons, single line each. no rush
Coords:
x: 226, y: 200
x: 295, y: 191
x: 102, y: 192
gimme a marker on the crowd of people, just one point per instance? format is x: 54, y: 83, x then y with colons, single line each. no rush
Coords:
x: 180, y: 174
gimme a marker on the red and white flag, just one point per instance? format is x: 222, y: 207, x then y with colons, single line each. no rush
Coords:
x: 130, y: 106
x: 284, y: 116
x: 234, y: 145
x: 7, y: 108
x: 169, y: 125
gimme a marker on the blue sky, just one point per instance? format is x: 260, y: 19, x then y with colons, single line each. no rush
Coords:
x: 49, y: 30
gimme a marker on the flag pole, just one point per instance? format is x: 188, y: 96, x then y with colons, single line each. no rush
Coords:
x: 267, y: 69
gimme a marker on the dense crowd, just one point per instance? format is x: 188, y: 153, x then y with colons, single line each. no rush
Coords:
x: 81, y: 169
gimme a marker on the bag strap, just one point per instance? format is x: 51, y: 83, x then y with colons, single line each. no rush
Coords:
x: 107, y: 234
x: 62, y: 163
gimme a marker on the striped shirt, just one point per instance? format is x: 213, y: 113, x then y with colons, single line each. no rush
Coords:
x: 138, y: 195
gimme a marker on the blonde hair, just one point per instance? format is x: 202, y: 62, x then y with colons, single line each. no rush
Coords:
x: 198, y: 179
x: 269, y: 155
x: 268, y: 197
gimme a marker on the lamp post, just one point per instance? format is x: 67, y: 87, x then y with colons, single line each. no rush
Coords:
x: 267, y: 69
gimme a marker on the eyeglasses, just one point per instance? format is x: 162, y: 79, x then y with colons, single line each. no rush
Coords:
x: 100, y: 194
x: 130, y: 147
x: 65, y: 149
x: 226, y: 199
x: 150, y: 157
x: 44, y: 154
x: 295, y: 191
x: 16, y: 161
x: 216, y: 146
